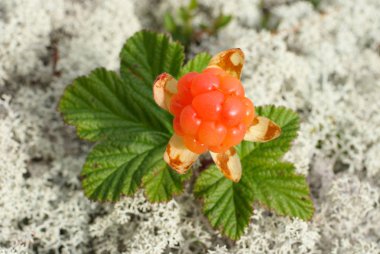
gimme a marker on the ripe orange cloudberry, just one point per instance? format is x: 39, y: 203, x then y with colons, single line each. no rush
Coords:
x: 211, y: 113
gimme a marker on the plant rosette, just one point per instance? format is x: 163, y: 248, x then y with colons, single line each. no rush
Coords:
x: 211, y: 113
x: 145, y: 124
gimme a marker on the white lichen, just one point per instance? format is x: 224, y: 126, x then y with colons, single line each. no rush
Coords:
x: 324, y: 63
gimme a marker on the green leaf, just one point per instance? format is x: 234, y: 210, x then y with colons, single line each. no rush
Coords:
x: 222, y: 21
x: 277, y: 187
x: 193, y: 4
x: 101, y: 105
x: 146, y: 55
x: 169, y: 23
x: 265, y: 179
x: 227, y: 205
x: 117, y: 166
x: 163, y: 182
x: 184, y: 14
x: 197, y: 64
x: 119, y: 113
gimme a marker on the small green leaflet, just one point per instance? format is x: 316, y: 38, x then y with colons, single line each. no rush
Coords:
x: 265, y: 179
x: 117, y: 166
x: 103, y: 106
x: 146, y: 55
x: 197, y: 64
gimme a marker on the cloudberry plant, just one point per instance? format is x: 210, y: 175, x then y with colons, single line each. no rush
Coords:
x: 209, y: 112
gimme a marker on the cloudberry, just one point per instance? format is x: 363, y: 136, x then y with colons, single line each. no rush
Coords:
x: 210, y: 111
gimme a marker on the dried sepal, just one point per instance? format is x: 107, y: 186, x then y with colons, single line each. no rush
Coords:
x: 262, y: 130
x: 164, y: 87
x: 228, y: 163
x: 177, y: 156
x: 231, y: 61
